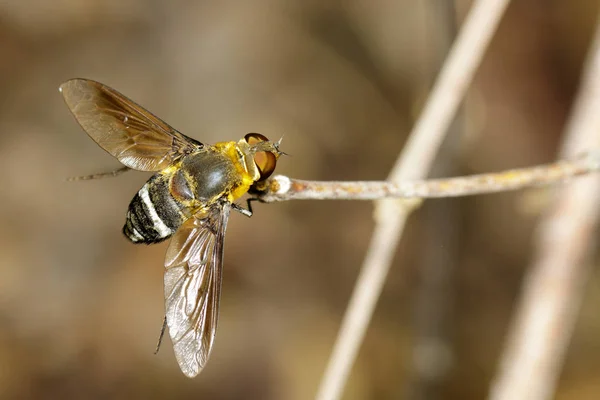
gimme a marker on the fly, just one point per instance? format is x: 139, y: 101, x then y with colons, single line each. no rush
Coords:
x: 188, y: 200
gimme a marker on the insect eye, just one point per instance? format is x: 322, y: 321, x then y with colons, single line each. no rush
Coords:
x: 253, y: 138
x: 265, y: 160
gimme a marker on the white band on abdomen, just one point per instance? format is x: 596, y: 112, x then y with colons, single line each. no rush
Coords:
x: 162, y: 229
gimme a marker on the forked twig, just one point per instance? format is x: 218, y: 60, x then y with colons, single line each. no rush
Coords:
x: 554, y: 286
x: 414, y: 162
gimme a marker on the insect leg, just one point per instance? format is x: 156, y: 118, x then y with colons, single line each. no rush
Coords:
x: 242, y: 210
x: 249, y: 202
x: 100, y: 175
x: 162, y: 333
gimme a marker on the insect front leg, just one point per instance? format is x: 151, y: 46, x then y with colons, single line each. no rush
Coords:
x: 247, y: 212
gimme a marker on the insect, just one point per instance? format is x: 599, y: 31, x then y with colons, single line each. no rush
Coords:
x: 188, y: 199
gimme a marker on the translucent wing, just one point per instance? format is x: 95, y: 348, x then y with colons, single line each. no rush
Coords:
x: 133, y: 135
x: 193, y: 265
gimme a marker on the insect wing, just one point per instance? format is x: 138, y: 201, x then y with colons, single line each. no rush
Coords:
x: 133, y: 135
x: 194, y: 263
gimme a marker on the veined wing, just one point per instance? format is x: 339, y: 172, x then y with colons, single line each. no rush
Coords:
x: 194, y: 263
x: 133, y: 135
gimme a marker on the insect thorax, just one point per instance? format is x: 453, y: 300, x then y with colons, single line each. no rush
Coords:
x: 209, y: 175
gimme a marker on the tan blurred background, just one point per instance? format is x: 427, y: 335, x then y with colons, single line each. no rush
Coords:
x: 81, y: 308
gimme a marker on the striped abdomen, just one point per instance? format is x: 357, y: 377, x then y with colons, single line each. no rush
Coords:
x: 153, y: 215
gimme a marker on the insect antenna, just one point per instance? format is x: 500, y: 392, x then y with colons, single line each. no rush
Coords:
x: 277, y: 144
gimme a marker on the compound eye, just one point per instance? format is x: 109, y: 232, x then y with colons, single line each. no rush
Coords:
x: 253, y: 138
x: 264, y: 160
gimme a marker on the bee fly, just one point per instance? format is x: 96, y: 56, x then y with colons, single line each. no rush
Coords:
x: 189, y: 198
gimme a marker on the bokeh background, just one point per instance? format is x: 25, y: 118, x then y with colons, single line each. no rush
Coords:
x: 81, y: 308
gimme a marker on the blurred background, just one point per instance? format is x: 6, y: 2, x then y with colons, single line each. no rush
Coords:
x: 81, y: 308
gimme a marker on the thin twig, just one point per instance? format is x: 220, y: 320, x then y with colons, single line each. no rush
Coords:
x: 282, y: 188
x: 433, y: 350
x: 413, y: 163
x: 554, y: 287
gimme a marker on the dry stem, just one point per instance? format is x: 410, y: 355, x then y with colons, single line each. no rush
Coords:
x: 554, y: 286
x: 413, y: 163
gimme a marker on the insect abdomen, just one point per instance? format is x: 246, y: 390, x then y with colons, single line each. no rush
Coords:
x: 153, y: 215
